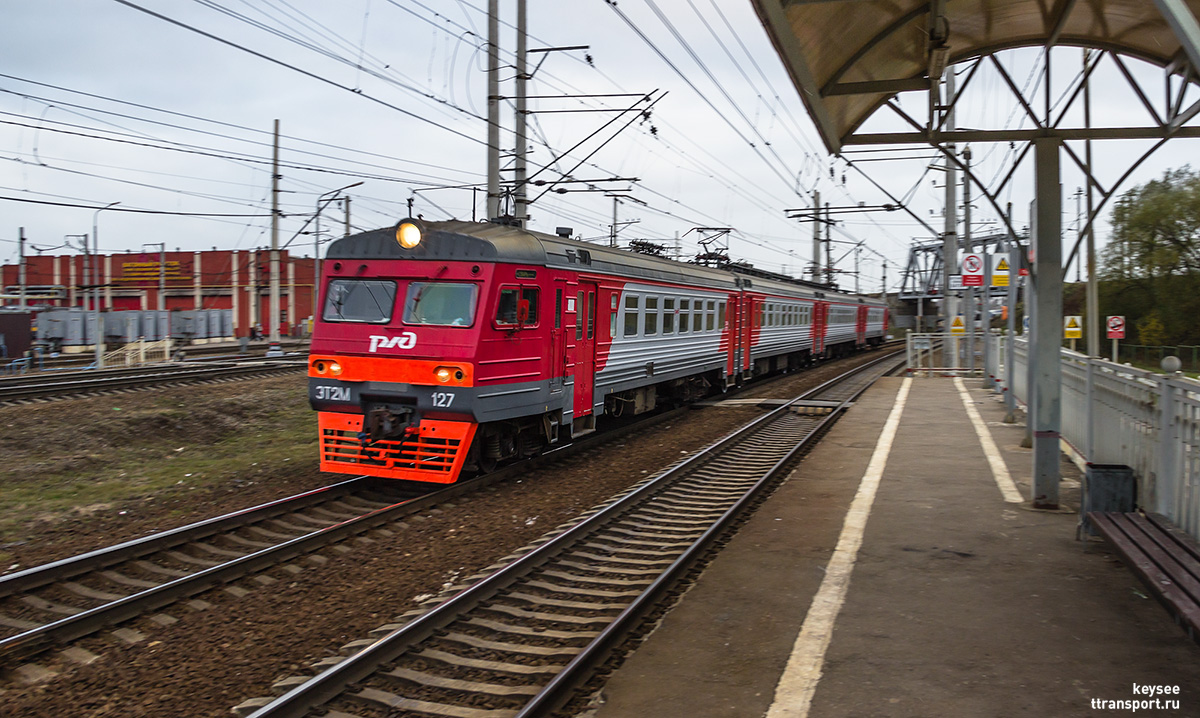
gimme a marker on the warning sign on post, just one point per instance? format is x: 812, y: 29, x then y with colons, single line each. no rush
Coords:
x: 1073, y: 327
x: 972, y: 270
x: 999, y: 270
x: 1116, y: 327
x: 957, y: 326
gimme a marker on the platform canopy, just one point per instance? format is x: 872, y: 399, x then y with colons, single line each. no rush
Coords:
x: 848, y: 57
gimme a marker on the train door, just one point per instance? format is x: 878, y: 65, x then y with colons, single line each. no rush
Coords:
x: 734, y: 333
x: 558, y: 339
x: 746, y: 337
x: 860, y: 327
x: 585, y: 348
x: 820, y: 313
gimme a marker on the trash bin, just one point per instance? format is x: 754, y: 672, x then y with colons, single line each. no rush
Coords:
x: 1107, y: 487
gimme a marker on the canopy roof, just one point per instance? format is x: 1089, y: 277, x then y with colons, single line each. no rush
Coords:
x: 847, y: 57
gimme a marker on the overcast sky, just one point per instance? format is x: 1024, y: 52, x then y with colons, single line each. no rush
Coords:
x: 101, y: 102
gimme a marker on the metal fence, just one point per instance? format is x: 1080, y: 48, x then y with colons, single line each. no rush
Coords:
x: 1116, y: 414
x: 957, y: 354
x: 139, y: 352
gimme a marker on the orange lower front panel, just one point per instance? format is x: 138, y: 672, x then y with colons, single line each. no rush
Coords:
x: 435, y: 453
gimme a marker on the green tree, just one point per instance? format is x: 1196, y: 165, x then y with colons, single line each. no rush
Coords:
x: 1151, y: 265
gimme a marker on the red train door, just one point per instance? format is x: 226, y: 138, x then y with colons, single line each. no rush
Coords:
x: 558, y: 338
x: 585, y: 347
x: 860, y: 327
x: 820, y: 310
x: 749, y: 309
x: 732, y: 333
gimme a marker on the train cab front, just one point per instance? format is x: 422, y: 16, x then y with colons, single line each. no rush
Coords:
x: 391, y: 369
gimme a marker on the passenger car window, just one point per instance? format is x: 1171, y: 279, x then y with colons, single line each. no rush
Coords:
x: 650, y: 325
x: 631, y: 315
x: 359, y: 300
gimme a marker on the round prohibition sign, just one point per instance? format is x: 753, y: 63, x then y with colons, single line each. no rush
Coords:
x: 971, y: 264
x: 1116, y: 324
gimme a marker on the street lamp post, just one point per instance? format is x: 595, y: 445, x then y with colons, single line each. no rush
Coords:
x: 322, y: 203
x: 96, y: 284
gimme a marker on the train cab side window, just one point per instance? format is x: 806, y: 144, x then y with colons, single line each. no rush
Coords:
x: 669, y: 315
x: 631, y: 314
x: 684, y: 308
x: 511, y: 299
x: 650, y: 323
x: 612, y: 316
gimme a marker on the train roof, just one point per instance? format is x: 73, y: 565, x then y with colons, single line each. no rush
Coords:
x: 490, y: 242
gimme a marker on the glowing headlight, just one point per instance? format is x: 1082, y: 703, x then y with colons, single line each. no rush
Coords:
x: 408, y: 235
x: 335, y: 368
x: 443, y: 373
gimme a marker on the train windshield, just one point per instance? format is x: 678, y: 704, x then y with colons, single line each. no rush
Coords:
x: 359, y: 300
x: 446, y: 304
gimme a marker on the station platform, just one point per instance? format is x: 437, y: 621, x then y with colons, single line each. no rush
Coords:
x: 908, y: 579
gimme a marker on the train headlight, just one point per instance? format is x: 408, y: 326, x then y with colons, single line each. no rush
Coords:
x: 444, y: 373
x: 320, y: 366
x: 335, y: 368
x: 408, y: 234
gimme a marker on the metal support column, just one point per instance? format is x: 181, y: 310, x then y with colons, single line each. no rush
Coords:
x: 950, y: 238
x: 1045, y: 352
x: 1010, y: 350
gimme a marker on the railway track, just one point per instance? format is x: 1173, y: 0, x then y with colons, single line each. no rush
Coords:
x: 520, y: 640
x: 51, y: 606
x: 69, y: 385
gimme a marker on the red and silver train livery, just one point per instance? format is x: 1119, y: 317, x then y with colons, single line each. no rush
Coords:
x: 444, y: 346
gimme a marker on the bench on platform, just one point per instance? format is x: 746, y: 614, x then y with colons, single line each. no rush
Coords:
x: 1163, y: 556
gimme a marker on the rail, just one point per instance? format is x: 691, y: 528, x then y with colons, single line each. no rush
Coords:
x: 635, y: 548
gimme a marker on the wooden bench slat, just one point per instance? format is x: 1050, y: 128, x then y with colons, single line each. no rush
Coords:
x: 1181, y: 537
x: 1183, y: 568
x: 1115, y: 527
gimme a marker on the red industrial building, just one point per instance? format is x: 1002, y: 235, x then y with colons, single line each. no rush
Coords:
x: 218, y: 279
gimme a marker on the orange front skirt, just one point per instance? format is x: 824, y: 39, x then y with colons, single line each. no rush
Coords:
x: 434, y: 453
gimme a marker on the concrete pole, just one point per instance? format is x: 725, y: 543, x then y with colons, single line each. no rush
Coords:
x: 346, y: 214
x: 273, y: 310
x: 520, y: 208
x: 162, y: 276
x: 197, y: 301
x: 816, y: 236
x: 317, y: 258
x: 291, y: 315
x: 493, y: 105
x: 612, y: 232
x: 828, y: 246
x: 950, y: 236
x: 234, y: 290
x: 1046, y: 355
x: 21, y: 269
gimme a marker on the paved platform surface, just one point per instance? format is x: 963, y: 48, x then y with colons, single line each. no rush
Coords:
x: 958, y: 602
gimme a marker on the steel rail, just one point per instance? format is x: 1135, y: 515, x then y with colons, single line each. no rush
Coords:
x: 75, y: 387
x: 73, y: 627
x: 334, y: 681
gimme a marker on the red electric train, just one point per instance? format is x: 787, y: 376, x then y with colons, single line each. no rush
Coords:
x: 450, y: 346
